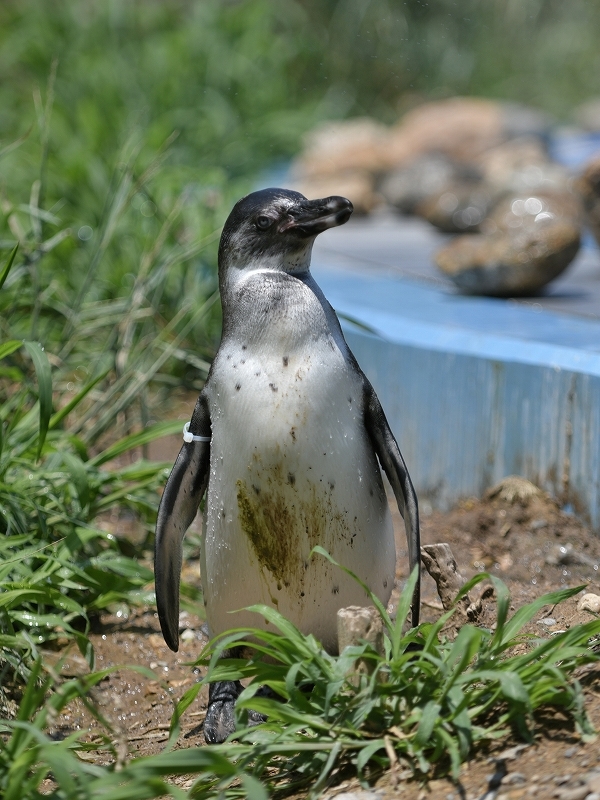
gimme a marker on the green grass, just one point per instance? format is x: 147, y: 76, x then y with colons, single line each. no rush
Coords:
x: 426, y: 707
x: 75, y: 414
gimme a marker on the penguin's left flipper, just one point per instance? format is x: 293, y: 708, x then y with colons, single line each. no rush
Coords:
x: 391, y: 460
x: 178, y: 507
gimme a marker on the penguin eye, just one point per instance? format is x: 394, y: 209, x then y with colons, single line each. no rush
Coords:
x: 263, y: 222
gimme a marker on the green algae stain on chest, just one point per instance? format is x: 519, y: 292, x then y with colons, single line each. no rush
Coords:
x: 282, y: 528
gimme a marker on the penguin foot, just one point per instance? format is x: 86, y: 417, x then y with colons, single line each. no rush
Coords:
x: 219, y: 722
x: 254, y: 717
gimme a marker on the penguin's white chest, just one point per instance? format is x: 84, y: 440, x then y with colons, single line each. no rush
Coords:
x: 291, y: 467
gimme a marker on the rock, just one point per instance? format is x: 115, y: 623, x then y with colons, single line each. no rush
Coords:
x: 335, y: 147
x: 357, y: 624
x: 588, y: 186
x: 513, y: 489
x: 577, y: 793
x: 589, y: 602
x: 460, y: 127
x: 359, y: 187
x: 512, y: 262
x: 430, y: 174
x: 522, y: 165
x: 513, y: 779
x: 528, y: 210
x: 460, y: 208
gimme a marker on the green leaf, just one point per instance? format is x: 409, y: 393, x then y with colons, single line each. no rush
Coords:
x: 75, y: 401
x: 429, y: 717
x: 527, y: 612
x: 6, y: 348
x: 137, y: 440
x: 8, y: 265
x: 44, y: 377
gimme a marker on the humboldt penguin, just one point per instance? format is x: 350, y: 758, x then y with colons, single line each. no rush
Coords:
x: 286, y: 442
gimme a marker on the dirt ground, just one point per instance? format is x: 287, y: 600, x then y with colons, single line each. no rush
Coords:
x: 526, y: 540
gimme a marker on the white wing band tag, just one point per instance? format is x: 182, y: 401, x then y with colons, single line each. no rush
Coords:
x: 191, y: 437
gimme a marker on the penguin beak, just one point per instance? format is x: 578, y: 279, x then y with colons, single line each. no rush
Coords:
x: 316, y: 216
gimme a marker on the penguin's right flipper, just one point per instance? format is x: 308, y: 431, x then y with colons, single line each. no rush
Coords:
x: 390, y: 457
x: 178, y: 507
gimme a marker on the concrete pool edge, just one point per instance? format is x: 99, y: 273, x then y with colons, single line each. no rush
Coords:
x: 469, y: 406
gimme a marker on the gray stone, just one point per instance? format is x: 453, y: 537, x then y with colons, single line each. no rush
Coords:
x: 577, y: 793
x: 513, y: 262
x: 460, y: 208
x: 513, y: 779
x: 360, y: 794
x: 431, y: 174
x: 589, y: 602
x: 588, y: 186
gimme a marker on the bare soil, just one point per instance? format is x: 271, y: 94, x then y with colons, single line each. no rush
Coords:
x: 529, y: 542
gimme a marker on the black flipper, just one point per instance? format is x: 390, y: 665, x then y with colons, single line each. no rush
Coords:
x: 391, y: 460
x: 178, y: 507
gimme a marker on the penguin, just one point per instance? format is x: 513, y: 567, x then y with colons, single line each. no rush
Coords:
x: 285, y: 443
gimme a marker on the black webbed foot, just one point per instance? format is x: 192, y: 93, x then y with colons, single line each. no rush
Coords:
x: 254, y: 717
x: 219, y: 722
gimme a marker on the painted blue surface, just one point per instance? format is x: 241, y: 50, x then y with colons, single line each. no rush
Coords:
x: 573, y: 148
x: 408, y: 311
x: 476, y: 389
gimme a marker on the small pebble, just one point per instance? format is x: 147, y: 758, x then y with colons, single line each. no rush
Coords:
x: 578, y: 793
x: 570, y: 752
x: 537, y: 524
x: 547, y: 621
x: 188, y: 635
x: 589, y: 602
x: 560, y: 779
x: 513, y: 779
x: 593, y: 796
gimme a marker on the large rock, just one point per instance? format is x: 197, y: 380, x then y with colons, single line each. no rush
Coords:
x: 588, y: 187
x: 514, y: 261
x: 522, y: 165
x: 432, y: 146
x: 460, y: 208
x: 518, y: 211
x: 337, y: 147
x: 462, y: 128
x: 431, y: 174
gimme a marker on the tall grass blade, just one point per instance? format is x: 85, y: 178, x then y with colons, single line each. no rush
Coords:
x: 8, y: 265
x: 44, y: 379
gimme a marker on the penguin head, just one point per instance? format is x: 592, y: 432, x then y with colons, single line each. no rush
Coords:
x: 276, y: 228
